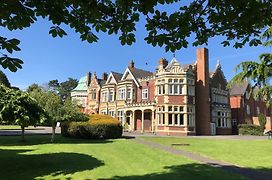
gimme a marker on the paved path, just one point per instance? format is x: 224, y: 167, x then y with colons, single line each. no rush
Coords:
x: 249, y: 173
x: 31, y: 130
x: 138, y: 134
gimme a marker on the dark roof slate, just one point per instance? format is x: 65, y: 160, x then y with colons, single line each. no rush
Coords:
x: 101, y: 82
x: 239, y: 88
x: 140, y: 73
x: 117, y: 76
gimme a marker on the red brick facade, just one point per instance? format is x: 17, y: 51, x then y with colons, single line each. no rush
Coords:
x: 176, y: 99
x: 245, y: 108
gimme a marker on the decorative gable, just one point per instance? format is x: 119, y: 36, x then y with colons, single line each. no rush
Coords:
x: 218, y: 79
x: 111, y: 79
x: 128, y: 75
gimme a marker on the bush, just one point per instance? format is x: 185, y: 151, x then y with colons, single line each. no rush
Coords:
x: 250, y: 129
x: 262, y: 120
x: 98, y: 127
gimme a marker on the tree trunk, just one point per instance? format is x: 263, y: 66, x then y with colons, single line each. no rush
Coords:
x: 23, y: 133
x: 53, y: 133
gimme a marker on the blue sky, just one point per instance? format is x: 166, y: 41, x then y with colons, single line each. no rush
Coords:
x: 46, y: 58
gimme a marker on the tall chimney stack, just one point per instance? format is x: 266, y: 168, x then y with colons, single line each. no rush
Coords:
x: 104, y: 76
x: 131, y: 64
x: 203, y: 118
x: 89, y: 75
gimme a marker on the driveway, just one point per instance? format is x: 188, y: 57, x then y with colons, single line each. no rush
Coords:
x: 29, y: 130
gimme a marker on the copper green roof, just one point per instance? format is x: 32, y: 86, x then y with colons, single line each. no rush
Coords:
x: 82, y: 84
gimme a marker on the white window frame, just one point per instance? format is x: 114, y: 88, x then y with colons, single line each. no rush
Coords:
x: 122, y: 94
x: 111, y: 95
x: 129, y: 93
x: 145, y: 94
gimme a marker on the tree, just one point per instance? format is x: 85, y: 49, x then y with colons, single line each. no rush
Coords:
x: 33, y: 87
x: 4, y: 80
x: 55, y: 109
x: 51, y: 104
x: 63, y: 89
x: 18, y: 107
x: 259, y: 73
x: 240, y: 22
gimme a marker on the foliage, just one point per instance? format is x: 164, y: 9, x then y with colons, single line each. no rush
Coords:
x: 18, y: 107
x: 98, y: 127
x: 238, y: 21
x: 259, y: 73
x: 33, y: 87
x: 250, y: 129
x: 3, y: 79
x: 55, y: 109
x: 64, y: 88
x: 71, y: 112
x: 103, y: 119
x: 262, y: 120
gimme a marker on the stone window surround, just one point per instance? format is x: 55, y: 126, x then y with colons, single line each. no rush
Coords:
x: 163, y: 115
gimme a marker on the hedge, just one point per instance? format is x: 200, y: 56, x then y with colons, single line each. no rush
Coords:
x: 98, y: 127
x: 250, y: 129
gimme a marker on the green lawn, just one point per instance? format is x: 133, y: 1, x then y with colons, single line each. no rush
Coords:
x: 247, y: 153
x: 89, y: 159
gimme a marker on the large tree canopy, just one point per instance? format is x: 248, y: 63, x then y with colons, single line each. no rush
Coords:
x: 259, y: 73
x: 3, y: 79
x: 239, y: 22
x: 64, y: 88
x: 18, y: 107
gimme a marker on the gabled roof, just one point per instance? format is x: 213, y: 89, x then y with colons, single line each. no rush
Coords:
x: 101, y: 82
x: 82, y: 84
x: 140, y: 73
x: 136, y: 74
x: 115, y: 75
x: 239, y: 88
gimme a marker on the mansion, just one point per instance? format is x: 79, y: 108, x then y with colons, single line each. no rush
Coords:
x: 176, y: 99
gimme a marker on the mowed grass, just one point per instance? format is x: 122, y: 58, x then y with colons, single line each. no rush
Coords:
x: 89, y: 159
x: 246, y: 153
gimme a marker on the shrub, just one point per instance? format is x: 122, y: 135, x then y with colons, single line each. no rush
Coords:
x: 250, y: 129
x: 262, y: 120
x: 98, y: 127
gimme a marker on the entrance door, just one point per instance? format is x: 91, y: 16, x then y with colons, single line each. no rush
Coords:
x: 213, y: 129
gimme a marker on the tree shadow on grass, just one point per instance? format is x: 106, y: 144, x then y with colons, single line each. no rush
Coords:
x: 196, y: 171
x: 17, y: 165
x: 46, y: 139
x: 192, y: 171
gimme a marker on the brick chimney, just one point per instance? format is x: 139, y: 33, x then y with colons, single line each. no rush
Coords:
x: 202, y: 95
x: 104, y: 76
x: 131, y: 64
x: 163, y: 62
x: 89, y: 75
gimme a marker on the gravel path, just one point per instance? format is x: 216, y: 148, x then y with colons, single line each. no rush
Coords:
x: 249, y: 173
